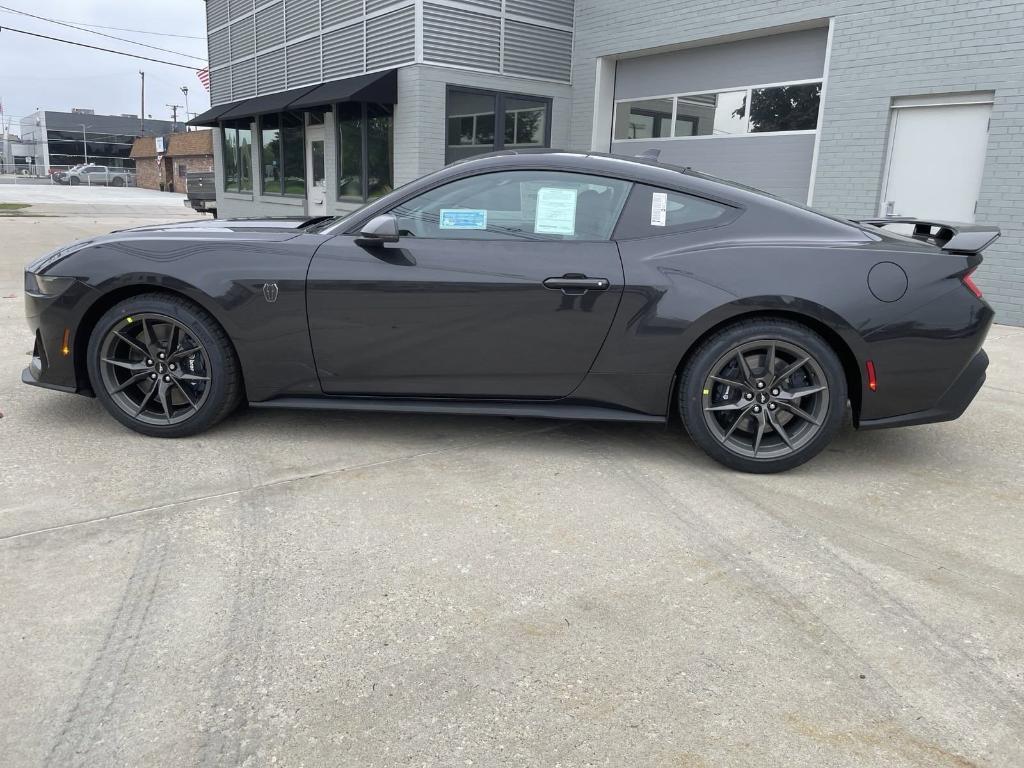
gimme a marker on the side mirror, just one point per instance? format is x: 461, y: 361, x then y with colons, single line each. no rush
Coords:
x: 379, y: 230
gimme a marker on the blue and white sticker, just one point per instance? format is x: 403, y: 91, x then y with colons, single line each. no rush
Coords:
x: 463, y: 218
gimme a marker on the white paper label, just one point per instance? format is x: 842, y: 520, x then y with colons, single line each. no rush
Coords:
x: 659, y: 209
x: 556, y: 211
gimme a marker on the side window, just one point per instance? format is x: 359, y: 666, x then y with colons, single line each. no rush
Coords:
x: 651, y: 212
x: 526, y: 205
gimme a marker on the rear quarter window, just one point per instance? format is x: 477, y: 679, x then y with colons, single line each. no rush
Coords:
x: 651, y: 212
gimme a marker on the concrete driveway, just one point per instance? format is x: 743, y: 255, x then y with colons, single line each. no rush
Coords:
x: 308, y: 589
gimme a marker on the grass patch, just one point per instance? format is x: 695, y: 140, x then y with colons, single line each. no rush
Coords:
x: 13, y: 206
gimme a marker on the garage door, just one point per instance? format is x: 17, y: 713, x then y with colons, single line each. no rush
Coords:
x: 745, y: 110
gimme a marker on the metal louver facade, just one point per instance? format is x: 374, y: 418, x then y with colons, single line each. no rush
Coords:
x: 259, y: 47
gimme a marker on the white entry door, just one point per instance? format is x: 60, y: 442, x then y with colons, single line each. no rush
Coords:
x: 936, y: 159
x: 316, y: 171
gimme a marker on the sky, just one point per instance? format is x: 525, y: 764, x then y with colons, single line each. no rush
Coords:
x: 41, y: 74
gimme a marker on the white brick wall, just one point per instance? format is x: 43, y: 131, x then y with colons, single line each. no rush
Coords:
x: 880, y: 49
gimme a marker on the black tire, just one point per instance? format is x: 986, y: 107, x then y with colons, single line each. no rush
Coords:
x: 741, y: 407
x: 117, y: 181
x: 74, y: 181
x: 206, y: 385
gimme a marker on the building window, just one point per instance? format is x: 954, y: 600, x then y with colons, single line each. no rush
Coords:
x: 478, y: 122
x: 737, y: 112
x: 366, y: 144
x: 283, y: 154
x: 237, y: 143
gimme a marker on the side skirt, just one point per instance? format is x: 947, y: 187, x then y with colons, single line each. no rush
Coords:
x: 461, y: 408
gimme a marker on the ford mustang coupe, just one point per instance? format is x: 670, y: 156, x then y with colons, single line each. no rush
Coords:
x: 561, y: 285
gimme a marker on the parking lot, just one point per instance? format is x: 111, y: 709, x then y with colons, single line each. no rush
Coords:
x: 312, y: 589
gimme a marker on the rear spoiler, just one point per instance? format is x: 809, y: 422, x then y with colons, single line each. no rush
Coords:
x: 947, y: 235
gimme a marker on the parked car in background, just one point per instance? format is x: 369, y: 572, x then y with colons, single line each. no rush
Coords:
x: 60, y: 175
x: 98, y: 174
x: 201, y: 192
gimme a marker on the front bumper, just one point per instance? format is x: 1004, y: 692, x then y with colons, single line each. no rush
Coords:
x: 950, y: 406
x: 30, y: 376
x: 48, y: 317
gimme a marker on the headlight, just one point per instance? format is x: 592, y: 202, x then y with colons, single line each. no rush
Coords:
x: 44, y: 285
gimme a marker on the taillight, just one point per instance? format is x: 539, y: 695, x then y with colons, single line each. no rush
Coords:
x: 872, y: 378
x: 971, y: 285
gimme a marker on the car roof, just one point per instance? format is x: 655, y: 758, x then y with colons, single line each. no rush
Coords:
x: 646, y: 170
x: 643, y: 170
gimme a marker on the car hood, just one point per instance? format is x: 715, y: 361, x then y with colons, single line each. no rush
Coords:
x: 215, y: 226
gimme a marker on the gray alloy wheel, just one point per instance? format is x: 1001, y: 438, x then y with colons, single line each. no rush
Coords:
x: 155, y: 369
x: 163, y: 366
x: 765, y: 399
x: 763, y: 395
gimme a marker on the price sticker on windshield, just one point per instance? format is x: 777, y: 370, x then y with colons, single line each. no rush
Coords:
x: 659, y: 209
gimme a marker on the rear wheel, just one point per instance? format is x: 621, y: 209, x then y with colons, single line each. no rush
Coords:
x: 163, y: 366
x: 117, y: 181
x: 763, y: 395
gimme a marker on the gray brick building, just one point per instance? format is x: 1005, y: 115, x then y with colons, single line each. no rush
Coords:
x: 858, y: 108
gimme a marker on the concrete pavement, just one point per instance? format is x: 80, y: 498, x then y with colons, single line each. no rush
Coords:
x: 310, y: 589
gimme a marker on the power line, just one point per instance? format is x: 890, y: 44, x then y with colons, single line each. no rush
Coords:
x: 136, y: 31
x: 101, y: 34
x: 97, y: 48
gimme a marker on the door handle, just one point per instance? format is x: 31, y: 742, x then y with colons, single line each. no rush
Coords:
x: 576, y: 283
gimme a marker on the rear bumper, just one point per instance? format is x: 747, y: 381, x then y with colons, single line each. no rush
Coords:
x: 200, y: 205
x: 950, y: 406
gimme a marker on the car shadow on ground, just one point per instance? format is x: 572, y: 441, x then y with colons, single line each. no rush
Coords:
x: 248, y: 433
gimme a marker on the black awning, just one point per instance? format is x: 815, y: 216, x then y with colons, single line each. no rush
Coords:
x: 379, y: 87
x: 211, y: 116
x: 264, y: 105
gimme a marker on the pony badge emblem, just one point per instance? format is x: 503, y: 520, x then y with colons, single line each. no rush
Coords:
x: 270, y: 292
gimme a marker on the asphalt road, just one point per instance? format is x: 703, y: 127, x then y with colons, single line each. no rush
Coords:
x: 308, y: 589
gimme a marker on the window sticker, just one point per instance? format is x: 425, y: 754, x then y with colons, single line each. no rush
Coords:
x: 556, y: 211
x: 463, y: 218
x: 659, y: 209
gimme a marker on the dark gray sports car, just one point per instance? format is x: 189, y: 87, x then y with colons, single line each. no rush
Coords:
x: 572, y: 286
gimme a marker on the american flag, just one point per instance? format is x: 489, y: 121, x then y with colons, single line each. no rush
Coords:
x: 204, y: 77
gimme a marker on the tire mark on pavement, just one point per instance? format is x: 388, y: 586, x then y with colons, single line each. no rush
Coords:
x: 503, y: 437
x: 957, y: 673
x: 233, y: 732
x: 92, y: 719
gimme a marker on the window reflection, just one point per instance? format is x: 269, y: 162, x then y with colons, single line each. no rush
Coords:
x: 727, y: 113
x: 786, y: 108
x: 478, y: 122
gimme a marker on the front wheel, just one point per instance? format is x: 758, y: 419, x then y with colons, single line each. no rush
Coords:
x: 763, y: 395
x: 74, y: 181
x: 163, y: 366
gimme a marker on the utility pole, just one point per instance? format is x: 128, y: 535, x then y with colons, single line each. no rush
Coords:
x: 142, y: 113
x: 174, y: 113
x: 85, y: 143
x: 184, y: 90
x: 5, y: 145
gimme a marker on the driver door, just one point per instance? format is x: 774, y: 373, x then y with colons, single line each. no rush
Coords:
x: 502, y: 285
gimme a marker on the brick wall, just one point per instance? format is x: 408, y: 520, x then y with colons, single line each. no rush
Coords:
x: 880, y: 50
x: 191, y: 164
x: 147, y: 172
